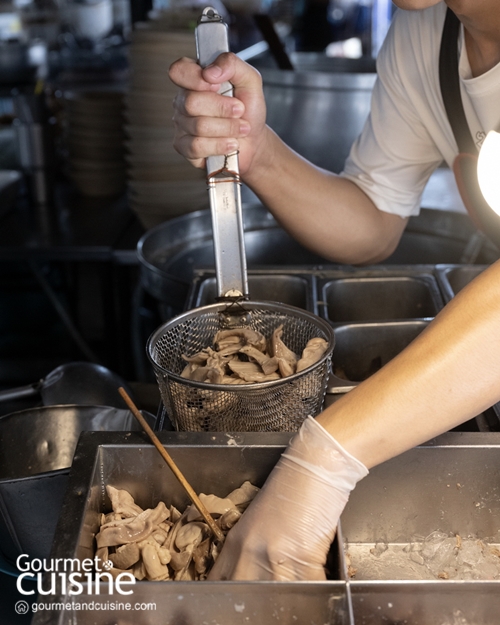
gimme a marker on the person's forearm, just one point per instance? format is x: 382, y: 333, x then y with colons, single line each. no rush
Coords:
x: 447, y: 375
x: 323, y: 211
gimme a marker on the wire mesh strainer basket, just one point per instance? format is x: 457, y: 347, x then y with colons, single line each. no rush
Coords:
x: 278, y: 405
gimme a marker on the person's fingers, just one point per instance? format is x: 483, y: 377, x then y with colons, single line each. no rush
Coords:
x: 228, y: 67
x: 196, y: 148
x: 187, y: 74
x: 197, y: 104
x: 208, y: 123
x: 212, y: 127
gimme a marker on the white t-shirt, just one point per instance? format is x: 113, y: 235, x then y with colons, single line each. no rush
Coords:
x: 407, y: 134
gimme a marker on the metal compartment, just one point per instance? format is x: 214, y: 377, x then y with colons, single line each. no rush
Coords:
x: 361, y: 349
x: 427, y: 603
x: 269, y: 286
x: 212, y: 463
x: 354, y: 299
x: 450, y: 485
x: 36, y: 451
x: 415, y: 493
x: 453, y: 278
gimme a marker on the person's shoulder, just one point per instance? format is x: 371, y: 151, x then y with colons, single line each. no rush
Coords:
x: 412, y: 37
x: 421, y: 21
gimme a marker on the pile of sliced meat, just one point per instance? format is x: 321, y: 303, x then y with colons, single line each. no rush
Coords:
x: 243, y: 356
x: 162, y: 543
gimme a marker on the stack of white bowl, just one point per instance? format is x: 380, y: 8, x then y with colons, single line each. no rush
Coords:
x: 96, y: 142
x: 161, y: 182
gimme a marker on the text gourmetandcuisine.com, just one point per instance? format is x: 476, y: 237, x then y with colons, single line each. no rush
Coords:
x: 94, y: 606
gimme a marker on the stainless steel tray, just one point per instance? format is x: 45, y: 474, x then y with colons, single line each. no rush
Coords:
x: 453, y: 278
x: 213, y: 463
x: 280, y: 284
x: 449, y: 485
x: 361, y: 349
x: 380, y: 298
x: 414, y: 493
x: 376, y: 311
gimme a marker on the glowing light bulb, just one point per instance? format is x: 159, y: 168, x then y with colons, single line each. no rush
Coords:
x: 488, y: 170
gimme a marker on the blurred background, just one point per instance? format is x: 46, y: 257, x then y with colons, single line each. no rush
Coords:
x: 87, y: 167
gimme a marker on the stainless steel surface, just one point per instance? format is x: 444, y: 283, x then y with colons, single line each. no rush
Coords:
x: 309, y: 61
x: 264, y: 406
x: 409, y: 493
x: 381, y: 298
x: 223, y: 175
x: 82, y: 383
x: 318, y: 113
x: 170, y: 253
x: 427, y: 603
x: 364, y: 348
x: 227, y: 460
x: 287, y: 288
x: 448, y: 485
x: 231, y: 603
x: 453, y: 278
x: 36, y: 452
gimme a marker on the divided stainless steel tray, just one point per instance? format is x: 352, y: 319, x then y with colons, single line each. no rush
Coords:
x: 212, y: 463
x: 416, y: 493
x: 452, y: 486
x: 375, y: 311
x: 453, y: 278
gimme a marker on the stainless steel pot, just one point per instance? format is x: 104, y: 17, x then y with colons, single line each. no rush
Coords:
x: 170, y: 252
x: 318, y: 114
x: 36, y: 452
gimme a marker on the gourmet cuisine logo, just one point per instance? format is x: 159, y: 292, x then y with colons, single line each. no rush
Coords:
x: 70, y: 576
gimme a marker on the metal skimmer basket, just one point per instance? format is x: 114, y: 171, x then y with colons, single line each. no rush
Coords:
x: 278, y: 405
x: 200, y: 406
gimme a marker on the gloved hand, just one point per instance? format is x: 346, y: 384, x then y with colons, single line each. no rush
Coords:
x: 286, y: 532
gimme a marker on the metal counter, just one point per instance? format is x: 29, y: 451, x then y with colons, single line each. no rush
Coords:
x: 413, y: 494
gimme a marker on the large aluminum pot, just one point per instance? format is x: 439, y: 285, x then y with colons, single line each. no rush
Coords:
x: 36, y: 452
x: 320, y: 108
x: 170, y: 252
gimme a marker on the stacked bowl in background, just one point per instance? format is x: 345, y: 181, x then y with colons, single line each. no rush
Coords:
x: 161, y: 183
x: 95, y: 142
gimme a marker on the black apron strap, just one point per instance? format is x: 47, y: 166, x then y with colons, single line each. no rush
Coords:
x: 465, y: 165
x: 450, y: 84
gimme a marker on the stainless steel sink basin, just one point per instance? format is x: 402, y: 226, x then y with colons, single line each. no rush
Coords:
x: 450, y: 484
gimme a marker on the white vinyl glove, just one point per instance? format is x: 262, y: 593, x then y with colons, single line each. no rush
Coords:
x: 286, y: 532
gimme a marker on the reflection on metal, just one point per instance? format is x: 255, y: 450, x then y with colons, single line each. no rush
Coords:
x: 447, y: 480
x: 32, y: 483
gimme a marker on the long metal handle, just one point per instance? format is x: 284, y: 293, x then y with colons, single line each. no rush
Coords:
x: 20, y: 392
x: 223, y: 176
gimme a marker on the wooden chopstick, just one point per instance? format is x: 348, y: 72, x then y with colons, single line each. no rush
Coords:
x: 175, y: 469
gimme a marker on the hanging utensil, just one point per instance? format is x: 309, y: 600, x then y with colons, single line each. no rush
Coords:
x: 82, y: 383
x: 268, y: 31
